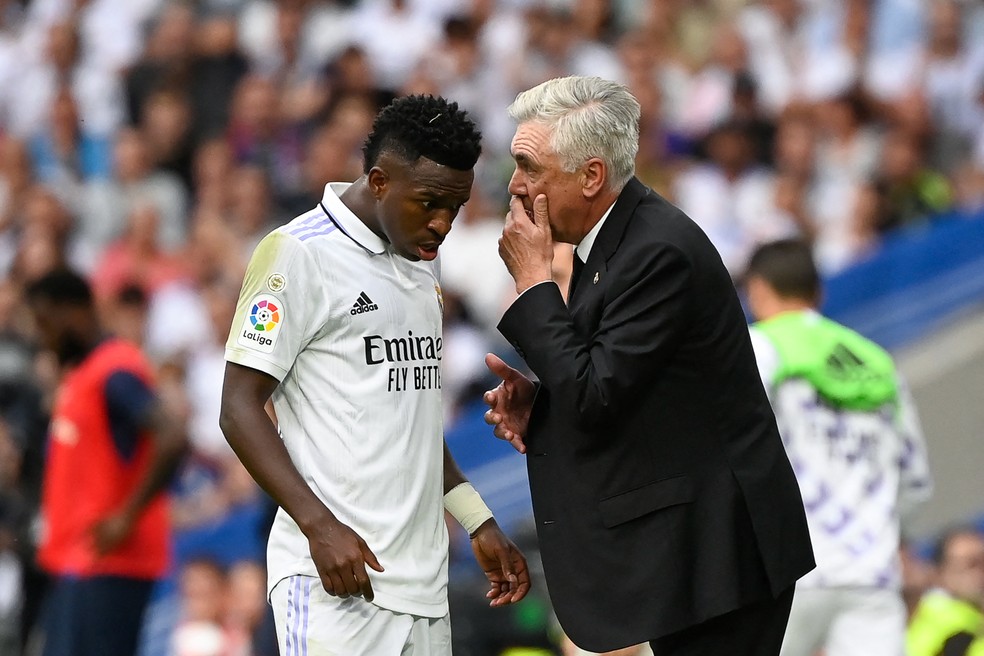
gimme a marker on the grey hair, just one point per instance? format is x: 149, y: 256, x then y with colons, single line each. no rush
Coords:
x: 589, y: 117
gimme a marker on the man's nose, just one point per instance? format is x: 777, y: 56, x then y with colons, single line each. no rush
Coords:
x: 517, y: 187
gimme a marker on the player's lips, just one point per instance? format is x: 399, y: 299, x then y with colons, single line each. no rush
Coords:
x: 428, y: 251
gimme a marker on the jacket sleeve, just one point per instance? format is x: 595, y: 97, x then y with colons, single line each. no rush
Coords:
x: 643, y: 319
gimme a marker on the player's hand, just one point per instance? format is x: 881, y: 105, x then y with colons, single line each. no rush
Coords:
x: 341, y: 556
x: 504, y: 565
x: 526, y: 244
x: 509, y: 403
x: 110, y: 532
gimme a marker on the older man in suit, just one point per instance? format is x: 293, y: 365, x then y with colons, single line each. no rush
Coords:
x: 665, y: 505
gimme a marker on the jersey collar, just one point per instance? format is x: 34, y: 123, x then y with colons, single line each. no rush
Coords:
x: 347, y: 221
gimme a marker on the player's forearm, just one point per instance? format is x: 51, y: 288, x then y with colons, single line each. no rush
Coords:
x: 254, y: 439
x: 168, y: 447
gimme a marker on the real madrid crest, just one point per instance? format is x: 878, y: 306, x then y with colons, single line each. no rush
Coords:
x: 440, y: 297
x: 276, y: 282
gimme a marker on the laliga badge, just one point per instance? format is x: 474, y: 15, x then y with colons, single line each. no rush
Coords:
x: 597, y: 275
x: 276, y: 282
x: 261, y: 326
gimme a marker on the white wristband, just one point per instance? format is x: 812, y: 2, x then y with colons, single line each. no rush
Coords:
x: 465, y: 505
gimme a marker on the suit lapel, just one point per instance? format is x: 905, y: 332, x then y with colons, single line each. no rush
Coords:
x: 608, y: 239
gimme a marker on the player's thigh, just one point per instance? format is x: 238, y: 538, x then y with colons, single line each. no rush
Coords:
x: 810, y: 617
x: 871, y: 623
x: 310, y: 622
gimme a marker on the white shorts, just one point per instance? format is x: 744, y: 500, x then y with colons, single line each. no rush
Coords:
x: 846, y: 622
x: 310, y: 622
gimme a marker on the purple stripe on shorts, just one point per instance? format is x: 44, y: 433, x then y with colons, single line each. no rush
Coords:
x: 307, y: 609
x: 290, y: 603
x: 298, y: 612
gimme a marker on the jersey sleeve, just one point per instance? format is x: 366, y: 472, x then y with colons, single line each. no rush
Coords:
x: 766, y: 357
x: 278, y: 303
x: 915, y: 479
x: 128, y: 403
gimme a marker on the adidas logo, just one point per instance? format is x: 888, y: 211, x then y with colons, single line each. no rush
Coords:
x: 363, y: 304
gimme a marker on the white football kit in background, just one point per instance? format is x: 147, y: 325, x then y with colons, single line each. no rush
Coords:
x: 860, y: 473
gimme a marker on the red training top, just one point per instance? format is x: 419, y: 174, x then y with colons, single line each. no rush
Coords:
x: 86, y: 479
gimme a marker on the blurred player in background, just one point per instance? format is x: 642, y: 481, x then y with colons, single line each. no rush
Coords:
x: 112, y: 448
x: 852, y: 434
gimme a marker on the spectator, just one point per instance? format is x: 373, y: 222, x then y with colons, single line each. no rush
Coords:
x: 166, y: 58
x: 137, y: 258
x: 63, y: 69
x: 166, y: 126
x: 914, y: 191
x: 218, y: 69
x: 952, y: 70
x: 731, y: 198
x: 378, y: 27
x: 65, y: 155
x: 950, y: 618
x: 298, y: 74
x: 847, y: 152
x: 709, y: 93
x: 113, y: 444
x: 251, y: 212
x: 47, y: 241
x: 135, y: 182
x: 853, y: 437
x: 16, y: 177
x: 259, y: 134
x: 246, y: 608
x: 203, y: 589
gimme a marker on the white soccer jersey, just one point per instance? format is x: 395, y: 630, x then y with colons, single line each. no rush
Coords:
x: 859, y: 472
x: 353, y: 333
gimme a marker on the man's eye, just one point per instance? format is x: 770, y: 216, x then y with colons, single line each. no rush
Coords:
x: 428, y: 204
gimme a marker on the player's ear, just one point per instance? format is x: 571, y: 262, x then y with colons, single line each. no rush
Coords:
x: 377, y: 179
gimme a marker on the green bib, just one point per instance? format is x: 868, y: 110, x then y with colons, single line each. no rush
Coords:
x: 848, y: 370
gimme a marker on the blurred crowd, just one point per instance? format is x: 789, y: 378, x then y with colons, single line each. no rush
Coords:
x: 150, y: 144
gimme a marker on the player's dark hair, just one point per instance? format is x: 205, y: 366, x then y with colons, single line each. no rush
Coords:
x: 60, y: 287
x: 787, y: 266
x: 424, y: 126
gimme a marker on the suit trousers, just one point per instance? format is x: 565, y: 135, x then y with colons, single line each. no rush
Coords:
x: 753, y: 630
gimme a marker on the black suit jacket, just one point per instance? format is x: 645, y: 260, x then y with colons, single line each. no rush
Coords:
x: 661, y: 490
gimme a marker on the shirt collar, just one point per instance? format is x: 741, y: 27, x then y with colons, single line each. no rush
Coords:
x: 347, y: 221
x: 584, y: 248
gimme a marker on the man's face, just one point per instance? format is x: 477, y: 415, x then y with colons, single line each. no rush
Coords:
x: 57, y: 326
x: 416, y: 203
x: 962, y: 569
x: 539, y: 171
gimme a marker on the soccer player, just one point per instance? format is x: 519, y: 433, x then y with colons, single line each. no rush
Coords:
x: 339, y: 321
x: 852, y: 434
x: 112, y: 448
